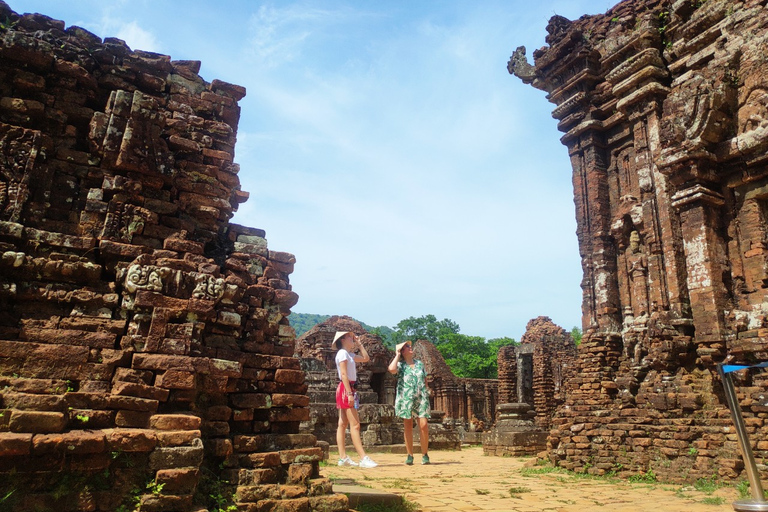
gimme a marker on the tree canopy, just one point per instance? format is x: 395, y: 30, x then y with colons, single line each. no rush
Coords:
x: 426, y: 327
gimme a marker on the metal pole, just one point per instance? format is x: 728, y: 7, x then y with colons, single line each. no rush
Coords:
x: 757, y: 503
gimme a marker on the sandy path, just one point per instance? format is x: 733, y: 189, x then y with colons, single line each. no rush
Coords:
x: 468, y: 480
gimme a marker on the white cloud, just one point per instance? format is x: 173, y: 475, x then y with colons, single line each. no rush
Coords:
x: 137, y: 38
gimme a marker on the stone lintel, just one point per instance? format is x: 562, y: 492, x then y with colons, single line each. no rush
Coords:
x: 652, y: 89
x: 697, y: 194
x: 627, y: 68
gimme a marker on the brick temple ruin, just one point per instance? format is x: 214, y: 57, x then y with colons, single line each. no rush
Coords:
x: 145, y: 351
x: 532, y: 384
x: 664, y: 106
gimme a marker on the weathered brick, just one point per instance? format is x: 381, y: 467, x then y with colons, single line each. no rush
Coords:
x: 37, y: 422
x: 289, y: 376
x: 74, y: 442
x: 175, y: 422
x: 130, y: 440
x: 177, y: 456
x: 15, y: 444
x: 178, y: 481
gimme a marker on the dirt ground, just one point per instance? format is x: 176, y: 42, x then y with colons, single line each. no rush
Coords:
x: 468, y: 480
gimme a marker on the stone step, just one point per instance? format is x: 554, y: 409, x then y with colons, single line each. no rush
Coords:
x: 359, y: 495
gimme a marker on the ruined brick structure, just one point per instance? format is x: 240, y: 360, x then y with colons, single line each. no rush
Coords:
x: 536, y: 371
x: 467, y: 403
x: 532, y: 383
x: 663, y: 105
x: 145, y: 351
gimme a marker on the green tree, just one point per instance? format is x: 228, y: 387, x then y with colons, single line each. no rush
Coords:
x: 472, y: 356
x: 576, y: 335
x: 302, y: 322
x: 426, y: 327
x: 383, y: 332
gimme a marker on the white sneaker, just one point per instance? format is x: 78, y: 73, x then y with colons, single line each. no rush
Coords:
x: 367, y: 463
x: 346, y: 461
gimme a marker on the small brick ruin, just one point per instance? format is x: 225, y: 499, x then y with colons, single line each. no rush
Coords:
x: 665, y: 114
x: 145, y: 351
x: 536, y: 371
x: 532, y: 384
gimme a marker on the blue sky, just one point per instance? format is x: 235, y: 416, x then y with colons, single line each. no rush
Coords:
x: 386, y: 146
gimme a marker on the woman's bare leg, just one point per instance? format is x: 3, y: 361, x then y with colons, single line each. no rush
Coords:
x: 341, y: 434
x: 424, y: 435
x: 408, y: 434
x: 354, y: 430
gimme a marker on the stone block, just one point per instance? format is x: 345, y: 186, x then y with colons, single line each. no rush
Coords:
x: 289, y: 376
x: 289, y: 400
x: 178, y: 481
x: 300, y: 473
x: 176, y: 379
x: 15, y: 444
x: 140, y: 391
x: 251, y: 400
x: 175, y: 422
x: 133, y: 419
x: 329, y: 503
x: 76, y: 442
x: 130, y: 440
x: 36, y: 421
x: 301, y: 455
x: 286, y: 414
x: 177, y: 456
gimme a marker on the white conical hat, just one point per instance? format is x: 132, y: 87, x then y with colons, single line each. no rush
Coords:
x: 337, y: 336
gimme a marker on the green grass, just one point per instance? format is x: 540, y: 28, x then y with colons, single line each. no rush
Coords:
x: 400, y: 483
x: 713, y: 500
x: 482, y: 492
x: 403, y: 506
x: 745, y: 492
x: 743, y: 489
x: 649, y: 477
x: 515, y: 491
x: 541, y: 470
x: 707, y: 485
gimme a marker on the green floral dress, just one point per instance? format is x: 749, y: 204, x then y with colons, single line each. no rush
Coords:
x: 412, y: 393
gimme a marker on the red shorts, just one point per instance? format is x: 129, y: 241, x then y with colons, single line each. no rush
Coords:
x: 343, y: 401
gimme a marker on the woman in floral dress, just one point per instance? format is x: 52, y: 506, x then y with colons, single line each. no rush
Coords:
x: 412, y: 398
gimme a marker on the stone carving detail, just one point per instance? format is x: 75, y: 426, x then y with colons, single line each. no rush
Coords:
x: 19, y: 151
x: 667, y: 143
x: 753, y: 114
x: 123, y: 221
x: 140, y: 277
x: 518, y: 65
x: 208, y: 287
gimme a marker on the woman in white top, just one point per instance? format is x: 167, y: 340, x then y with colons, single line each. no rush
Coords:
x: 346, y: 397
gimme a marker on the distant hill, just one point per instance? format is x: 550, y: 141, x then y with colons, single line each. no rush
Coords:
x: 302, y: 322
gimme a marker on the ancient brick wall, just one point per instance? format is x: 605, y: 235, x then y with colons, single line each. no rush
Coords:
x: 536, y: 371
x: 145, y: 351
x: 664, y: 113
